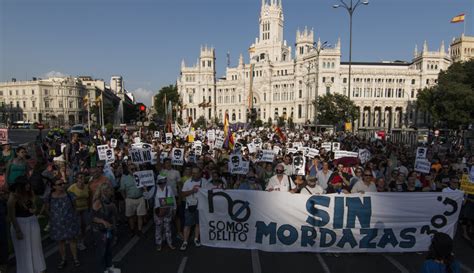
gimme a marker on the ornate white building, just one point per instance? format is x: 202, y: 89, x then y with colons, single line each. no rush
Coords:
x: 283, y: 83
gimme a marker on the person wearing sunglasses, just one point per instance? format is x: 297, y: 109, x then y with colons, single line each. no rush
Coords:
x: 366, y: 184
x: 63, y: 220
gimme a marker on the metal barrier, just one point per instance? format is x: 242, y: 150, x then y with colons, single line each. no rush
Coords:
x: 404, y: 136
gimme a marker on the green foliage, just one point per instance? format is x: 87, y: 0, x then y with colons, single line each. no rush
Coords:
x: 451, y: 102
x: 269, y: 122
x: 281, y: 121
x: 258, y: 123
x: 109, y: 127
x: 291, y: 124
x: 335, y: 108
x: 200, y: 123
x: 152, y: 126
x: 171, y: 92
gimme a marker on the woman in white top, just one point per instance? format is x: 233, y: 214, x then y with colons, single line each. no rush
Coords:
x: 165, y: 207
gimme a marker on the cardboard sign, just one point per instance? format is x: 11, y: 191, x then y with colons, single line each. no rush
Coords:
x: 140, y: 156
x: 421, y: 152
x: 113, y: 142
x: 3, y: 136
x: 422, y: 166
x: 168, y: 138
x: 291, y: 151
x: 341, y: 154
x: 219, y: 143
x: 297, y: 145
x: 326, y: 146
x: 156, y: 134
x: 299, y: 163
x: 197, y: 146
x: 144, y: 178
x: 177, y: 157
x: 265, y: 156
x: 252, y: 148
x: 237, y: 166
x: 258, y: 143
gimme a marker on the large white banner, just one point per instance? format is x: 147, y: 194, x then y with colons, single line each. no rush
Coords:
x: 285, y: 222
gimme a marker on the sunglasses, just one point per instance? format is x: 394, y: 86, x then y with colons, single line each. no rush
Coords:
x: 367, y: 175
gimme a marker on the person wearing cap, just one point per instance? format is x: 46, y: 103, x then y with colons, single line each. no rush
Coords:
x: 135, y: 206
x: 280, y: 181
x: 311, y: 187
x: 164, y: 209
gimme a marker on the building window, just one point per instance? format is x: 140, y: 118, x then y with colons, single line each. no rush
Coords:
x: 324, y: 79
x: 209, y: 63
x: 344, y: 80
x: 16, y: 92
x: 332, y: 79
x: 413, y: 81
x: 240, y: 98
x: 17, y: 104
x: 1, y: 93
x: 71, y: 104
x: 24, y: 92
x: 300, y: 110
x: 24, y: 103
x: 61, y: 104
x: 209, y: 99
x: 34, y: 116
x: 203, y: 63
x: 190, y: 98
x: 264, y: 97
x: 46, y: 104
x: 412, y: 95
x: 46, y: 92
x: 328, y: 90
x: 33, y: 104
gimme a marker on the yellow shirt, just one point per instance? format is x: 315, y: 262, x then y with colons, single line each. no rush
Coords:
x: 81, y: 196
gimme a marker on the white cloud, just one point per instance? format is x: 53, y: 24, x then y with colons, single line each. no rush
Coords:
x: 54, y: 74
x: 143, y: 95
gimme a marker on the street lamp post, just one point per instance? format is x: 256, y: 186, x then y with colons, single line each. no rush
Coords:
x: 351, y: 7
x: 318, y: 48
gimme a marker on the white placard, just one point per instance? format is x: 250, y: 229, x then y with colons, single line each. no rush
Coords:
x: 102, y: 151
x: 313, y: 153
x: 285, y: 222
x: 169, y: 138
x: 291, y: 151
x: 197, y: 146
x: 237, y: 166
x: 219, y: 143
x: 252, y: 148
x: 137, y: 140
x: 297, y: 145
x: 156, y: 134
x: 421, y: 152
x: 265, y: 156
x: 306, y: 137
x: 177, y: 157
x: 211, y: 135
x: 276, y: 150
x: 113, y: 142
x: 140, y: 156
x: 237, y: 147
x: 422, y: 166
x: 326, y: 146
x: 299, y: 163
x: 336, y: 146
x: 144, y: 178
x: 341, y: 154
x: 258, y: 143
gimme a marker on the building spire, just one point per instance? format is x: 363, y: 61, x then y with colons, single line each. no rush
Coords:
x: 183, y: 64
x: 338, y: 45
x: 425, y: 46
x: 241, y: 60
x: 415, y: 52
x: 442, y: 49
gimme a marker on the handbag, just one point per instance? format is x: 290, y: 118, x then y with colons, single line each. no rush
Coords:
x: 163, y: 211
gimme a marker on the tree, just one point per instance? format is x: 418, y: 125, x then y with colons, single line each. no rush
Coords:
x: 335, y: 108
x: 201, y: 122
x: 450, y: 102
x: 281, y: 121
x: 171, y: 92
x: 269, y: 122
x: 258, y: 123
x: 291, y: 124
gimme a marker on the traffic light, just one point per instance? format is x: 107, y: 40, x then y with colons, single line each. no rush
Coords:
x: 141, y: 109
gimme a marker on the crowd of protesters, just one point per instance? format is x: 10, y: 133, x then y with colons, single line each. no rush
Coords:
x: 63, y: 180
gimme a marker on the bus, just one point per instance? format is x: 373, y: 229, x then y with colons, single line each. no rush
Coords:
x: 22, y: 125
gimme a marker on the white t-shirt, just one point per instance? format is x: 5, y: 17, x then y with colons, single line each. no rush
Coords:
x: 360, y: 186
x: 289, y: 170
x: 323, y: 178
x: 61, y: 157
x: 312, y: 191
x: 163, y: 194
x: 191, y: 199
x: 277, y: 185
x: 172, y: 178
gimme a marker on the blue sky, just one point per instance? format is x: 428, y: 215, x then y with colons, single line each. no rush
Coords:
x: 145, y: 40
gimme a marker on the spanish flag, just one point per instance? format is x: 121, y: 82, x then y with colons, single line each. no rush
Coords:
x: 280, y: 134
x: 458, y: 19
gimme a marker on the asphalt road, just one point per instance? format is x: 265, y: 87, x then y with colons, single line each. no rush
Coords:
x: 138, y: 254
x: 20, y: 136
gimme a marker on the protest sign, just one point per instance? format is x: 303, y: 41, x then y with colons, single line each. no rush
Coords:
x: 299, y: 164
x: 312, y: 153
x: 3, y: 136
x: 252, y: 148
x: 178, y: 157
x: 102, y: 151
x: 364, y: 155
x: 137, y: 140
x: 144, y: 178
x: 237, y: 166
x: 326, y: 146
x: 466, y: 185
x: 276, y: 150
x: 285, y: 222
x: 336, y: 146
x: 291, y: 151
x: 197, y: 146
x: 139, y: 155
x: 422, y: 166
x: 421, y: 152
x: 258, y: 143
x: 168, y: 138
x: 113, y: 142
x: 341, y: 154
x: 265, y: 156
x: 156, y: 134
x: 211, y: 135
x: 306, y: 137
x: 219, y: 143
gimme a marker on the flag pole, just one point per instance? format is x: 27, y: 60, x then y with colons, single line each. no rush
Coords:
x: 464, y: 31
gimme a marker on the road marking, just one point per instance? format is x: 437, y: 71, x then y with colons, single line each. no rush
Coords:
x: 465, y: 268
x: 257, y: 268
x: 397, y: 264
x: 323, y: 263
x: 182, y: 265
x: 124, y: 251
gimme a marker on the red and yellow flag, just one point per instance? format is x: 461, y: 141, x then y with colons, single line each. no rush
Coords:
x: 458, y: 19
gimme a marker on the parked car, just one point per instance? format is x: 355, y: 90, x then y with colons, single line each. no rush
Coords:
x: 78, y: 129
